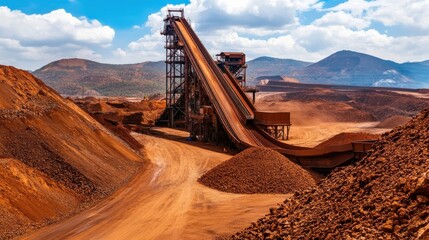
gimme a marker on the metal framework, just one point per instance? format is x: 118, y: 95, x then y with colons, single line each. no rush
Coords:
x: 235, y: 62
x: 200, y: 119
x: 175, y: 73
x: 277, y: 131
x: 187, y: 104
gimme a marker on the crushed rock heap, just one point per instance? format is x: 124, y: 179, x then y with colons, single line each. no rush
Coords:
x: 258, y: 170
x: 383, y: 196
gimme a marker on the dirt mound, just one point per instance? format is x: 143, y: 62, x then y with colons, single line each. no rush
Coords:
x: 258, y: 170
x: 393, y: 121
x: 39, y: 196
x: 121, y: 111
x: 383, y: 196
x: 72, y: 156
x: 120, y: 115
x: 343, y: 138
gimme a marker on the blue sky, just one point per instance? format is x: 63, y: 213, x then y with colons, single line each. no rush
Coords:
x: 118, y: 14
x: 34, y: 33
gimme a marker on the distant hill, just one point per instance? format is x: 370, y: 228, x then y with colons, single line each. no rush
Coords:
x: 358, y: 69
x: 84, y: 77
x: 268, y: 66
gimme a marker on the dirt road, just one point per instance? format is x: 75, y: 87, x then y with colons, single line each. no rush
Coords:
x: 165, y: 201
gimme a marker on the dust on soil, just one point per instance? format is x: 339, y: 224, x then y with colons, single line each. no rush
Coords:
x: 393, y: 121
x: 166, y: 201
x: 258, y: 170
x: 343, y: 138
x: 56, y: 159
x: 385, y: 195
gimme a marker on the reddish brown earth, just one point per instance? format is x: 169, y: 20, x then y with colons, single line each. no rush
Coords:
x: 393, y: 121
x: 318, y: 114
x: 383, y: 196
x: 258, y: 170
x: 166, y: 201
x: 123, y: 111
x: 122, y: 116
x: 348, y: 104
x: 343, y: 138
x: 55, y: 159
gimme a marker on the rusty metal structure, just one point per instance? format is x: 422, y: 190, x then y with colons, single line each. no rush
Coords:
x: 208, y: 98
x: 277, y: 124
x: 175, y: 74
x: 233, y: 63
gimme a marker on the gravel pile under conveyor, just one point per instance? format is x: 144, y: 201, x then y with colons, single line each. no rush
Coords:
x: 258, y: 170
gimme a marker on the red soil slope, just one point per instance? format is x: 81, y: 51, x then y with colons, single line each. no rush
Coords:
x: 52, y: 154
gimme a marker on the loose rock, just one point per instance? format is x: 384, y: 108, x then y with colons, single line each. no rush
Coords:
x: 258, y: 170
x: 373, y: 199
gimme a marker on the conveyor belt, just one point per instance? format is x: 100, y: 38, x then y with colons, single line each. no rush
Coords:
x: 236, y: 112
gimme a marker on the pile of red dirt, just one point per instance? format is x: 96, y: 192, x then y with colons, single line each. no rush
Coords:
x: 343, y: 138
x: 383, y: 196
x: 258, y: 170
x: 54, y: 158
x: 122, y: 116
x: 121, y: 111
x: 393, y: 121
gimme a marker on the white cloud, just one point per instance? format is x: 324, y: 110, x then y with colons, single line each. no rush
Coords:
x: 28, y: 40
x: 334, y: 38
x: 356, y: 7
x: 57, y: 27
x: 119, y: 53
x: 271, y: 27
x: 408, y: 13
x: 250, y: 14
x: 254, y: 15
x: 219, y: 23
x: 341, y: 18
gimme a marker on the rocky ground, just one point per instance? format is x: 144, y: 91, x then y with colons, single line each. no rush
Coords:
x: 121, y: 116
x: 383, y: 196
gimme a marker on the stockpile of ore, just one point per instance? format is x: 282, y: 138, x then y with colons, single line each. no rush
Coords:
x: 383, y: 196
x: 258, y: 170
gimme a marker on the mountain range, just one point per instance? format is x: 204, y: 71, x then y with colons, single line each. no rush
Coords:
x: 358, y: 69
x: 84, y: 77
